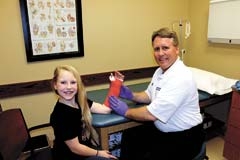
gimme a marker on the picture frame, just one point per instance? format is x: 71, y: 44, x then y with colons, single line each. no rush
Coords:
x: 52, y: 29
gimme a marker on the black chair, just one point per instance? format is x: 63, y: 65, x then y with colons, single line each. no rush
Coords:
x: 202, y: 155
x: 16, y: 142
x: 0, y: 108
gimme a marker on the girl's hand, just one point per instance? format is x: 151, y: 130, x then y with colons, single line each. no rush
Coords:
x: 119, y: 75
x: 106, y: 153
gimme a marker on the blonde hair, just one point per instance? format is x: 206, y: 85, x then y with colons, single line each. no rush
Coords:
x: 81, y: 100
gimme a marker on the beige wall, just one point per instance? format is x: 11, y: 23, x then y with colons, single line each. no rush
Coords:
x: 116, y: 36
x: 219, y: 58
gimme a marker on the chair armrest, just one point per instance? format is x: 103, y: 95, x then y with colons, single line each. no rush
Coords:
x: 39, y: 142
x: 39, y: 126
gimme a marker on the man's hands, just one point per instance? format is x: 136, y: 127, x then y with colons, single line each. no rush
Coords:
x: 118, y: 106
x: 126, y: 93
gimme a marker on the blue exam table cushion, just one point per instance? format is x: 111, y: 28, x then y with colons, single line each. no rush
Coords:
x: 105, y: 120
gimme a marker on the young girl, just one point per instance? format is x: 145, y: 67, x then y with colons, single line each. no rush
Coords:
x: 75, y: 137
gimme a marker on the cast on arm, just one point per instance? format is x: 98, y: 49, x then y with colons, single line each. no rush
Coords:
x: 116, y: 81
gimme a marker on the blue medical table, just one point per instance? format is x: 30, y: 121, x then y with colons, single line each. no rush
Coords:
x: 107, y: 124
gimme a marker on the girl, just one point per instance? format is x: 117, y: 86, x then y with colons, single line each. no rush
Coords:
x: 75, y: 137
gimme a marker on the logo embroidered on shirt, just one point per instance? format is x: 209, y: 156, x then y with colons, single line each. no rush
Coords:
x: 158, y: 88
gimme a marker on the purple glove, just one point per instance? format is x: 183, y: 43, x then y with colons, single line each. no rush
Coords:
x: 126, y: 93
x: 118, y: 106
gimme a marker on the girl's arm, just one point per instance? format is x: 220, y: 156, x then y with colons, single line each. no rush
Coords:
x: 100, y: 108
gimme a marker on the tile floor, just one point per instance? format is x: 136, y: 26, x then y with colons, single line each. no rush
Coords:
x: 215, y: 148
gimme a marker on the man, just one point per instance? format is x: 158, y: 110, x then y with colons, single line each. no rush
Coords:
x: 172, y: 105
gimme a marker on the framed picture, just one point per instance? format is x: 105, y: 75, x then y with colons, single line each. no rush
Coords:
x: 52, y: 29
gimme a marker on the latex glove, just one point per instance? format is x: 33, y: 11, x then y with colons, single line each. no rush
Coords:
x: 118, y: 106
x: 237, y: 85
x: 126, y: 93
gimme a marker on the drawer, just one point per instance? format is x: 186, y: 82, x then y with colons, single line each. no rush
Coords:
x: 231, y: 152
x: 234, y: 117
x: 235, y: 100
x: 233, y: 136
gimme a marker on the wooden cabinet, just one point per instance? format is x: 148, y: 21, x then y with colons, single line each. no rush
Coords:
x: 231, y: 149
